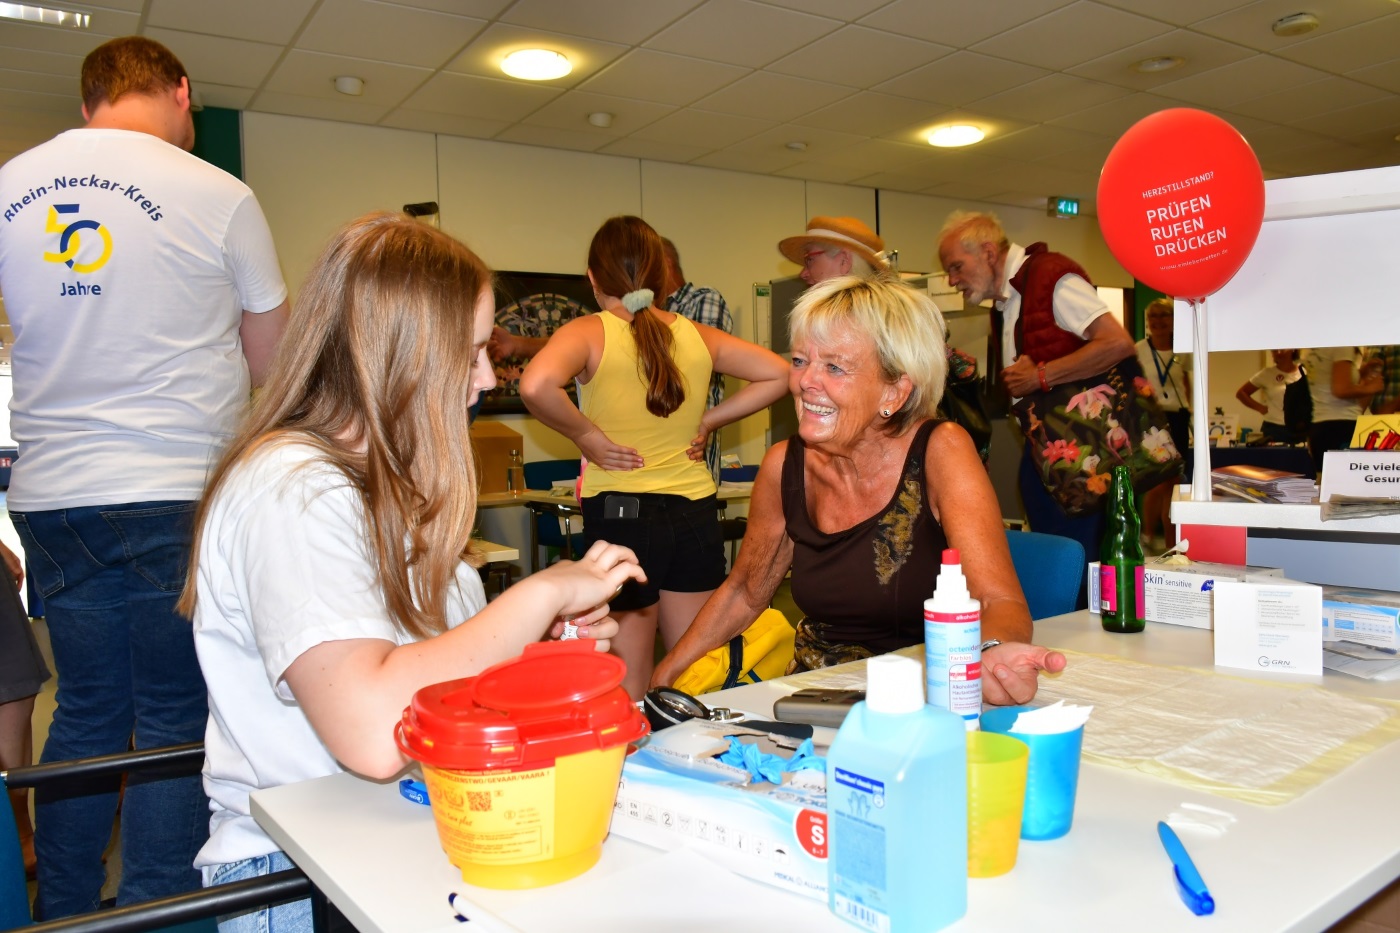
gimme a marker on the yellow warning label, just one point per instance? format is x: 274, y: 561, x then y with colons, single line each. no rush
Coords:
x: 495, y: 817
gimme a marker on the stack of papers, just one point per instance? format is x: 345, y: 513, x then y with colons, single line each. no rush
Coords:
x: 1261, y: 484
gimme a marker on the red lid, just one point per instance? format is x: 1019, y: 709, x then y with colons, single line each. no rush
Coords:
x: 557, y: 698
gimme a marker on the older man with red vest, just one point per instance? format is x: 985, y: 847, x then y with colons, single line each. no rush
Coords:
x: 1047, y: 321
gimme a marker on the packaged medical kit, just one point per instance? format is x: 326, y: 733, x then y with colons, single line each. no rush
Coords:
x: 1180, y: 594
x: 674, y: 791
x: 1361, y: 616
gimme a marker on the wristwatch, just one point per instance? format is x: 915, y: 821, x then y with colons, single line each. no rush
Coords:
x: 990, y: 643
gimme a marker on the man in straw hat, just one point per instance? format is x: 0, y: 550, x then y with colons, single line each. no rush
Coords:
x: 835, y: 246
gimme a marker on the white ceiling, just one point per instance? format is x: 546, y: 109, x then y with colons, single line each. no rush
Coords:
x: 736, y: 84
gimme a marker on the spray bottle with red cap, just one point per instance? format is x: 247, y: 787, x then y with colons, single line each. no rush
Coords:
x: 953, y: 644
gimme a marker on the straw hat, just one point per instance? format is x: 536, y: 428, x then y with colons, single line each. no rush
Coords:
x: 843, y: 232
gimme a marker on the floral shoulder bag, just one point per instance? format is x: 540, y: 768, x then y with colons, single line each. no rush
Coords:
x: 1078, y: 432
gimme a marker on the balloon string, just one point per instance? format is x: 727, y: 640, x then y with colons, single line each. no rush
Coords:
x: 1200, y: 404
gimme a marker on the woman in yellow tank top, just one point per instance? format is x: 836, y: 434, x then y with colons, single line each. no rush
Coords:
x: 641, y: 425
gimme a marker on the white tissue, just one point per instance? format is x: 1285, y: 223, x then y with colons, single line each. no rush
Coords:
x: 1050, y: 720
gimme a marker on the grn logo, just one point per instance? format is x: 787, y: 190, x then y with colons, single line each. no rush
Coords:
x: 70, y: 239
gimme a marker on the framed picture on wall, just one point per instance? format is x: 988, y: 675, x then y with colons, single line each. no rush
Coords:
x: 532, y: 304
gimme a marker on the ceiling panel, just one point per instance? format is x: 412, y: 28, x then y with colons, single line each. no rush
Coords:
x: 961, y: 78
x: 741, y: 33
x: 1371, y: 43
x: 260, y: 20
x: 1198, y: 53
x: 957, y: 22
x: 859, y: 57
x: 773, y: 96
x: 487, y: 51
x: 1080, y: 32
x: 747, y: 84
x: 1249, y: 23
x: 1049, y: 97
x: 311, y: 74
x: 701, y: 129
x: 870, y: 114
x: 216, y: 60
x: 629, y: 21
x: 570, y: 111
x: 481, y: 98
x: 663, y: 78
x: 1241, y: 80
x: 382, y: 32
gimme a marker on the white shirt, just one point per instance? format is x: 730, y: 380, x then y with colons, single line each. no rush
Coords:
x: 128, y: 367
x: 284, y: 566
x: 1275, y: 383
x: 1326, y: 406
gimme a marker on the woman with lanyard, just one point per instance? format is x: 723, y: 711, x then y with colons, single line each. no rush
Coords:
x: 1170, y: 376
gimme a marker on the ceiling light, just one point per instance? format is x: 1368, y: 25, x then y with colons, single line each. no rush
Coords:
x: 349, y: 84
x: 45, y: 16
x: 536, y: 65
x: 958, y: 134
x: 602, y: 119
x: 1295, y: 25
x: 797, y: 145
x: 1160, y: 63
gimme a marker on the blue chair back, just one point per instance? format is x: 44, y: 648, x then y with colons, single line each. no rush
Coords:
x: 541, y: 474
x: 738, y: 474
x: 1051, y: 569
x: 14, y: 893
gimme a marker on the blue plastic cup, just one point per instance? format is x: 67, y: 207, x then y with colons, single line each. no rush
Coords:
x: 1052, y: 777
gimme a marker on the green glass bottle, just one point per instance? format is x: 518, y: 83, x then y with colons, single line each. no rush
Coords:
x: 1121, y: 560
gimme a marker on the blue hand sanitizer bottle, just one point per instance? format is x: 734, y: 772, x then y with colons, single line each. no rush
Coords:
x: 896, y: 790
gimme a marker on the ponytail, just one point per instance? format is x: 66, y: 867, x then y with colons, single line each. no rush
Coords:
x: 626, y: 257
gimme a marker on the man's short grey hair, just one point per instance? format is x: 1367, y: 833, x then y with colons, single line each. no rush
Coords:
x: 972, y: 229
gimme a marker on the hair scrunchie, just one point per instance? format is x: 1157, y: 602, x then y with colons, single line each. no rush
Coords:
x: 636, y: 301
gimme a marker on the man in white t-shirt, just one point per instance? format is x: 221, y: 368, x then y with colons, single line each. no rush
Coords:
x: 1060, y: 333
x: 146, y: 300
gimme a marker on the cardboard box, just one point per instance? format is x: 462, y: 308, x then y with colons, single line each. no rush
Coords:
x: 1361, y: 616
x: 492, y: 443
x: 674, y: 793
x: 1180, y: 594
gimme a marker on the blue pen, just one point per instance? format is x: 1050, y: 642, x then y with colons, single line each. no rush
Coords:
x: 1189, y: 883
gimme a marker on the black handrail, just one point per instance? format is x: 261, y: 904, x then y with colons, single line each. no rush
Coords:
x: 189, y: 757
x: 229, y: 898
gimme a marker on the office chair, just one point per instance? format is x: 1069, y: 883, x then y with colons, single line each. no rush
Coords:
x: 1051, y: 569
x: 541, y: 474
x: 185, y: 913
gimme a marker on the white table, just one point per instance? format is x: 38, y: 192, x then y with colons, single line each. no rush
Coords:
x: 1297, y: 867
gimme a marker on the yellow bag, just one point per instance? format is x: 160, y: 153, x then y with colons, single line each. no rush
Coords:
x: 760, y: 652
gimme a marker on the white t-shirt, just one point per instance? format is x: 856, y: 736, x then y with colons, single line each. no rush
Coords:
x: 1326, y: 406
x: 1275, y: 383
x: 126, y: 265
x: 1169, y: 374
x: 1075, y: 303
x: 284, y: 565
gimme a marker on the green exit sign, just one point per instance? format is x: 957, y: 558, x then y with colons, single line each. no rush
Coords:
x: 1062, y: 207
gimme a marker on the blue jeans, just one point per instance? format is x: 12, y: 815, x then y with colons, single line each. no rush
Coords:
x: 291, y: 917
x: 1045, y: 515
x: 110, y: 577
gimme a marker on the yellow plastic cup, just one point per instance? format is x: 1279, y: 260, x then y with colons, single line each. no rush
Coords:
x: 996, y: 795
x: 522, y: 762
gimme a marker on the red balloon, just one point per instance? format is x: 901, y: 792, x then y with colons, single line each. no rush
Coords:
x: 1181, y: 200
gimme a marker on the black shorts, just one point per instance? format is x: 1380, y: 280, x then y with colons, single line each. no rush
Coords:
x: 22, y: 667
x: 677, y: 540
